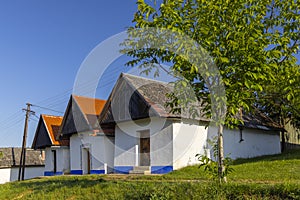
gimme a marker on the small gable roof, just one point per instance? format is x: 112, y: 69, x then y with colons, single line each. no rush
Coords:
x: 135, y: 97
x: 10, y: 157
x: 47, y: 132
x: 81, y: 115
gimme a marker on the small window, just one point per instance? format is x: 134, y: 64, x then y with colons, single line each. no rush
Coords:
x: 241, y: 134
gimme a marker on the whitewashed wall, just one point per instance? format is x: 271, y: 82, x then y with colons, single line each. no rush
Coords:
x: 127, y: 138
x: 11, y: 174
x: 189, y: 139
x: 176, y: 143
x: 161, y: 146
x: 255, y: 142
x: 125, y: 147
x: 48, y: 160
x: 65, y: 156
x: 101, y: 150
x: 5, y: 175
x: 109, y: 152
x: 62, y: 160
x: 75, y: 153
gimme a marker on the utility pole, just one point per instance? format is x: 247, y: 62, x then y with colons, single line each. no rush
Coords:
x: 23, y: 152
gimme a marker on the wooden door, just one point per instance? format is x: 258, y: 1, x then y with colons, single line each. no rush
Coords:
x: 88, y: 162
x: 54, y: 161
x: 145, y: 149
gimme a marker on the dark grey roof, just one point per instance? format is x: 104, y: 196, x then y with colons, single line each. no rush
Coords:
x: 10, y: 157
x: 154, y: 97
x: 147, y: 98
x: 259, y: 120
x: 154, y: 92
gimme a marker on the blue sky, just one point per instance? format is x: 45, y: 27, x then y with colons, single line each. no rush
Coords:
x: 42, y: 45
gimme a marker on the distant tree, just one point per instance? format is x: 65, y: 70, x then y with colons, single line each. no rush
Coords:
x: 281, y: 100
x: 250, y: 41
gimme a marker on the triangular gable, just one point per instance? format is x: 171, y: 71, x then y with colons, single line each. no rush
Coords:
x: 126, y: 103
x: 52, y: 124
x: 74, y: 121
x: 46, y: 132
x: 91, y: 108
x: 41, y: 138
x: 81, y: 115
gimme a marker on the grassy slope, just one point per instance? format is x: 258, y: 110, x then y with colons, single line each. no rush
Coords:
x: 282, y: 168
x: 269, y: 177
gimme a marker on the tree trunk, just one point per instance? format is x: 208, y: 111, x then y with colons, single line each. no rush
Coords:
x: 282, y: 141
x: 282, y: 123
x: 221, y: 167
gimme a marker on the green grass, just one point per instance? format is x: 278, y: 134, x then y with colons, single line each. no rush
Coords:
x: 281, y: 168
x: 268, y: 177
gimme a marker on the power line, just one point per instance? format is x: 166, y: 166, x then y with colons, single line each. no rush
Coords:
x: 12, y: 125
x: 10, y: 118
x: 36, y: 116
x: 46, y: 108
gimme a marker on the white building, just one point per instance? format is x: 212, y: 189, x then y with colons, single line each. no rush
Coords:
x: 57, y: 153
x: 91, y: 151
x: 10, y: 160
x: 150, y: 139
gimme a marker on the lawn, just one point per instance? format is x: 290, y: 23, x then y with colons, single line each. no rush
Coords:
x: 268, y: 177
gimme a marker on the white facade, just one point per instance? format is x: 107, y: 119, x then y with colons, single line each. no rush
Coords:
x: 190, y: 139
x: 127, y: 144
x: 175, y: 144
x: 11, y: 174
x: 57, y: 160
x: 249, y: 143
x: 91, y: 154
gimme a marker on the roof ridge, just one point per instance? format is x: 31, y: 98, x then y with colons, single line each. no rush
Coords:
x: 74, y: 95
x: 141, y: 77
x: 27, y: 148
x: 46, y: 115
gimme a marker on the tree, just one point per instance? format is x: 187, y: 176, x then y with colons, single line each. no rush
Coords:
x: 248, y: 42
x: 281, y: 101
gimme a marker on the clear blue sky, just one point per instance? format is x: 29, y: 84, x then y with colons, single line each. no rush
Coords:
x: 42, y: 45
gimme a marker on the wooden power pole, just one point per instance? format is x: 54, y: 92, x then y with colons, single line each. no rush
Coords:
x: 23, y: 152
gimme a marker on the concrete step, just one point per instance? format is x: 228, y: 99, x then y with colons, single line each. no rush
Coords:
x: 145, y: 168
x: 140, y: 170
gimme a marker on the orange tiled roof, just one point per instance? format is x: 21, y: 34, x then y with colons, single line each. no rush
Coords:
x: 90, y: 106
x: 53, y: 123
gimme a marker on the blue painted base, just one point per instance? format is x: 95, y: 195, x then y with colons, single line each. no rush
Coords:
x: 76, y: 172
x: 122, y: 169
x: 154, y: 169
x: 161, y: 169
x: 97, y: 171
x: 47, y: 173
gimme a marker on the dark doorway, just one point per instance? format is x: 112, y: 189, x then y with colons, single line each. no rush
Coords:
x: 54, y: 161
x: 86, y: 161
x: 145, y: 148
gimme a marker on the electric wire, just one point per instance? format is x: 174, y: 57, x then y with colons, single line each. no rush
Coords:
x: 62, y: 98
x: 46, y: 108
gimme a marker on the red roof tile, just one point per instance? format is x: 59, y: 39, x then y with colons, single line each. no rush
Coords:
x: 90, y: 106
x: 52, y: 124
